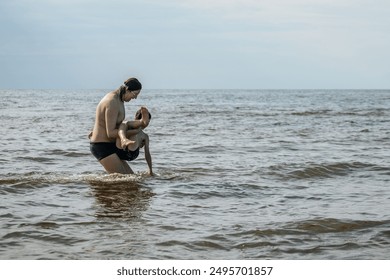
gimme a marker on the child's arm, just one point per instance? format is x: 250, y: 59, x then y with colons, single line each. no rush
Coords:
x: 148, y: 157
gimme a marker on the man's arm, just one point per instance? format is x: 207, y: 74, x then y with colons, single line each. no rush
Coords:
x: 111, y: 116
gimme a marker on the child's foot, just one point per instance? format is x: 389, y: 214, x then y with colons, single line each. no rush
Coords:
x: 125, y: 144
x: 145, y: 117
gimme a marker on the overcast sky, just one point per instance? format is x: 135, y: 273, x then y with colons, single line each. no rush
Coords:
x: 255, y: 44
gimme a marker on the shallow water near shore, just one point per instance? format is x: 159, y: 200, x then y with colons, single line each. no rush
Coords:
x: 240, y: 174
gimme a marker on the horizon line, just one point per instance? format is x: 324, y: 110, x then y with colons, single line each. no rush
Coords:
x: 177, y: 89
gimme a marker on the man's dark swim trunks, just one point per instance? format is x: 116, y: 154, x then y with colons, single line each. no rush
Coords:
x: 102, y: 150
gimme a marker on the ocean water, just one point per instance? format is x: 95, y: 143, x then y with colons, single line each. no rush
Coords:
x: 240, y: 174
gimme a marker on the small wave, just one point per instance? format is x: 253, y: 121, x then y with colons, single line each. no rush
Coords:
x: 329, y: 225
x: 42, y: 236
x: 199, y: 245
x: 47, y: 225
x: 113, y: 179
x: 208, y: 245
x: 33, y: 179
x: 14, y: 182
x: 313, y: 226
x: 325, y: 170
x: 67, y: 153
x: 37, y: 159
x: 310, y: 113
x: 376, y: 112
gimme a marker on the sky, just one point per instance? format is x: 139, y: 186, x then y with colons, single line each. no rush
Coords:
x: 195, y: 44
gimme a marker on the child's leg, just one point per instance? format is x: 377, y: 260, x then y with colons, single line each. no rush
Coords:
x: 128, y: 138
x: 145, y: 117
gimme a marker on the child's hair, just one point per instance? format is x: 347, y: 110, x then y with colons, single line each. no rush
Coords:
x: 138, y: 115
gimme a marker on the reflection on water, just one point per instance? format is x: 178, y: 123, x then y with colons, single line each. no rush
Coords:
x: 121, y: 198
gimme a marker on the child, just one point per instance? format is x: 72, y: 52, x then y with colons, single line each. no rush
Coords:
x: 132, y: 138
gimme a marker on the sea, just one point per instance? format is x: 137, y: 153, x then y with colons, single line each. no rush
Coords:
x: 239, y: 175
